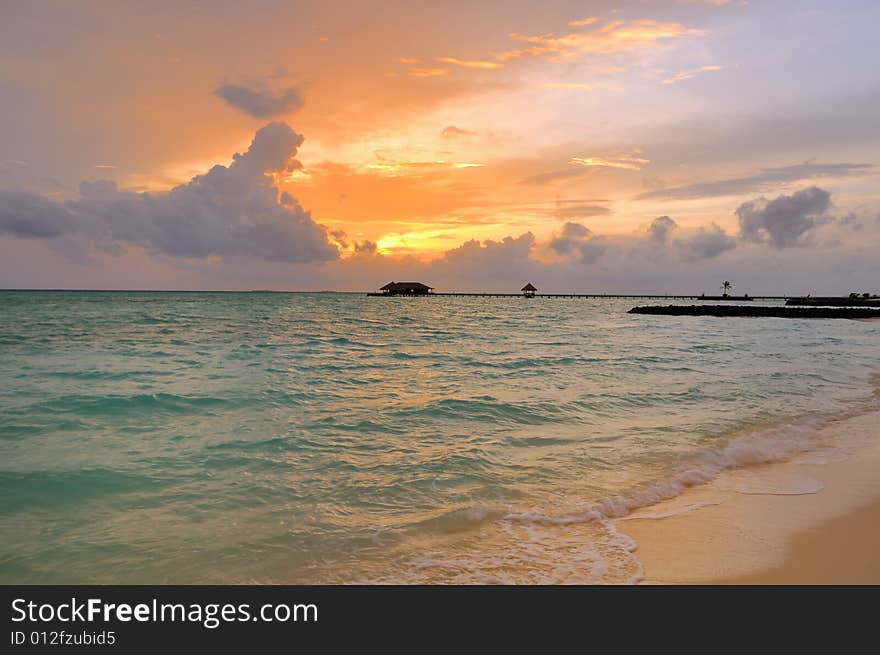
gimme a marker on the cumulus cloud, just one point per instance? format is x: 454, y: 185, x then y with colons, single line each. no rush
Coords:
x: 576, y: 239
x: 786, y: 220
x: 231, y: 211
x: 259, y: 102
x: 473, y: 258
x: 706, y: 243
x: 30, y: 215
x: 340, y: 237
x: 660, y: 229
x: 765, y: 179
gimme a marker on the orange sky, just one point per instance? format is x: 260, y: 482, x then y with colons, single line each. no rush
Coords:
x: 428, y: 125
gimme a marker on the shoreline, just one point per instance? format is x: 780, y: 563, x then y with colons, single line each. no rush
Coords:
x: 812, y: 519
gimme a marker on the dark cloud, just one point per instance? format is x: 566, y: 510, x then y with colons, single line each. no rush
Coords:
x: 576, y: 239
x: 665, y: 240
x: 233, y: 212
x: 592, y: 249
x: 766, y: 179
x: 340, y: 237
x: 706, y: 243
x: 572, y: 236
x: 660, y: 229
x: 367, y: 247
x: 786, y: 220
x: 29, y: 215
x: 258, y: 102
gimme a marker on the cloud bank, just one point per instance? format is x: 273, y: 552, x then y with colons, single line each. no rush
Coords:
x: 231, y: 211
x: 765, y: 179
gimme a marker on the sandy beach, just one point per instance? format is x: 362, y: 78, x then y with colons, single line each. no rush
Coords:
x: 843, y: 550
x: 814, y: 519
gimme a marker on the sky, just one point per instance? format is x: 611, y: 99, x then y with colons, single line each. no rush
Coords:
x: 621, y: 147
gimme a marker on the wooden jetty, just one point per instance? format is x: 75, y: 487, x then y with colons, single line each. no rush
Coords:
x: 645, y: 296
x: 757, y: 311
x: 420, y: 290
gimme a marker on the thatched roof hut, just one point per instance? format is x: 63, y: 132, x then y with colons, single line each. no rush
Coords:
x: 406, y: 289
x: 529, y: 289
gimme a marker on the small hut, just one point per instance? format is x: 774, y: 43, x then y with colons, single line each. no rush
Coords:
x: 406, y: 289
x: 529, y: 290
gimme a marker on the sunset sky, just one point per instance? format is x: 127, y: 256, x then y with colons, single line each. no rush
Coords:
x: 651, y: 145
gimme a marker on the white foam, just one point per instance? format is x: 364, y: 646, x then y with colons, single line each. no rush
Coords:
x: 686, y: 509
x: 772, y: 484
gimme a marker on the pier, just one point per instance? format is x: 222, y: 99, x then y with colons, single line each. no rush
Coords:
x: 420, y: 290
x: 654, y: 296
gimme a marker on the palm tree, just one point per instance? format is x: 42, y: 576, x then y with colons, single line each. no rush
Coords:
x: 726, y: 287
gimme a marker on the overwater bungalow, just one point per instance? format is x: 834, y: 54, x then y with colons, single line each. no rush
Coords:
x: 404, y: 289
x: 529, y: 290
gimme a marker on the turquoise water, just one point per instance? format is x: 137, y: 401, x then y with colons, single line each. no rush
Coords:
x: 260, y: 437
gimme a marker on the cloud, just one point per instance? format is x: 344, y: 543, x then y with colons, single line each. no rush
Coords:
x: 573, y: 234
x: 576, y: 239
x: 581, y: 210
x: 366, y: 247
x: 688, y: 74
x: 660, y: 229
x: 428, y: 72
x: 766, y: 179
x: 582, y: 22
x: 487, y: 65
x: 258, y: 102
x: 233, y: 212
x: 30, y: 215
x: 570, y: 86
x: 613, y: 37
x: 474, y: 260
x: 582, y: 165
x: 666, y: 237
x: 786, y: 220
x: 626, y: 162
x: 340, y: 237
x: 706, y: 243
x: 453, y: 132
x: 553, y: 176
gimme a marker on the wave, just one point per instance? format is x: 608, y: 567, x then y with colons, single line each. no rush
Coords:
x: 125, y: 404
x: 755, y: 446
x: 585, y: 546
x: 486, y: 409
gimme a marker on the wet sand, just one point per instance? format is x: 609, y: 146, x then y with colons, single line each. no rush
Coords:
x: 844, y: 550
x: 812, y: 520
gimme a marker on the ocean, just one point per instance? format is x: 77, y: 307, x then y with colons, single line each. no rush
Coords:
x: 164, y: 437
